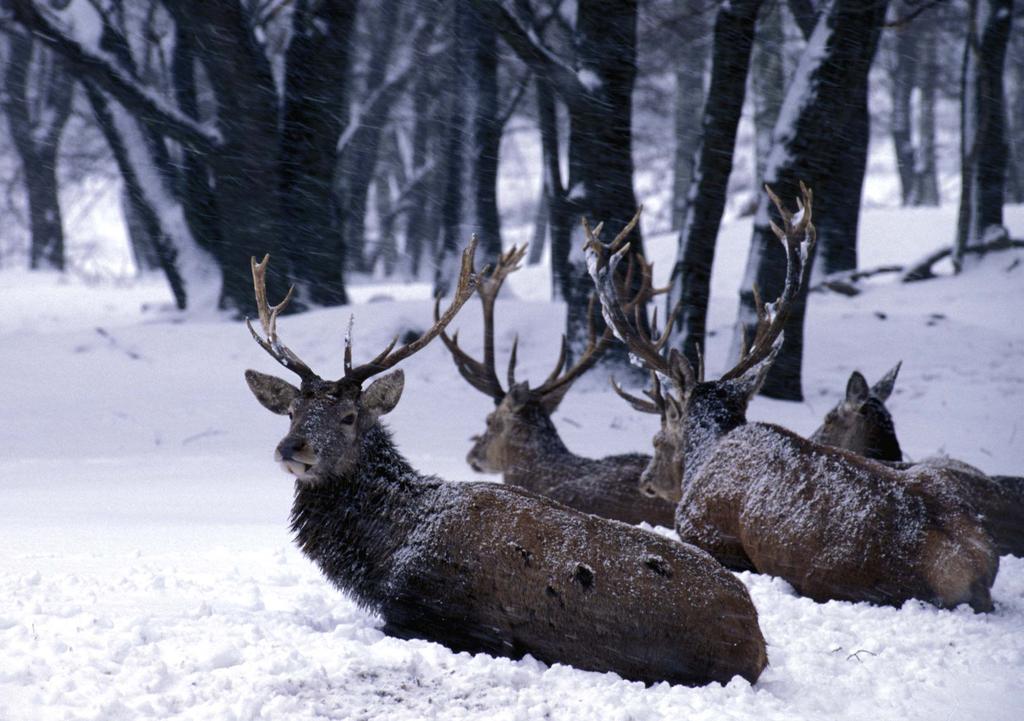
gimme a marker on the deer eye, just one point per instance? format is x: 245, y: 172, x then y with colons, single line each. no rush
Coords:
x: 349, y: 419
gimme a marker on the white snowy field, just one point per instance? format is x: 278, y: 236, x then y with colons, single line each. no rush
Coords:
x: 148, y: 572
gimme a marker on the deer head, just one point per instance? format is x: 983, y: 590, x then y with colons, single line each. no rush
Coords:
x: 860, y: 422
x: 522, y: 414
x: 330, y: 417
x: 694, y: 411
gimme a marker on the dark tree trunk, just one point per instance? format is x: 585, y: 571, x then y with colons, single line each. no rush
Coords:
x: 420, y: 232
x: 767, y: 84
x: 902, y: 76
x: 691, y: 275
x: 690, y: 59
x: 926, y: 175
x: 315, y: 111
x: 245, y: 168
x: 452, y: 156
x: 359, y: 158
x: 559, y: 219
x: 821, y: 139
x: 601, y: 149
x: 194, y: 189
x: 983, y: 147
x: 36, y: 118
x: 597, y: 91
x: 486, y: 130
x: 1015, y: 113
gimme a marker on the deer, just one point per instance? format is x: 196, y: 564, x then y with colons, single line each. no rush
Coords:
x: 757, y: 496
x: 484, y: 567
x: 862, y: 423
x: 520, y: 440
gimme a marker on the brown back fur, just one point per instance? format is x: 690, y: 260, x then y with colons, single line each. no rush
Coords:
x: 522, y: 443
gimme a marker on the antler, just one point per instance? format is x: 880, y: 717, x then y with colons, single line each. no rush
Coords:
x: 797, y: 237
x: 268, y: 319
x: 655, y: 405
x: 482, y: 375
x: 557, y: 383
x: 646, y: 349
x: 390, y: 357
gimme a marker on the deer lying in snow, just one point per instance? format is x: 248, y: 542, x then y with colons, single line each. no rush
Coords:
x: 520, y: 440
x: 483, y: 567
x: 833, y: 524
x: 861, y: 423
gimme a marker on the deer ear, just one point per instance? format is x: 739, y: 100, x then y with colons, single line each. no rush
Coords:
x: 383, y: 394
x: 857, y: 390
x: 883, y: 389
x: 274, y: 394
x: 750, y: 382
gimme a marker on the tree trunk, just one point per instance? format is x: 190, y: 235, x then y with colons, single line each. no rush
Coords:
x: 452, y: 158
x: 926, y: 175
x: 821, y: 139
x: 487, y: 130
x: 689, y: 101
x: 691, y: 274
x: 36, y: 117
x: 767, y: 83
x: 315, y: 111
x: 1015, y: 114
x: 193, y: 276
x: 902, y: 76
x: 359, y: 158
x: 983, y: 148
x: 600, y: 151
x: 559, y: 220
x: 420, y: 223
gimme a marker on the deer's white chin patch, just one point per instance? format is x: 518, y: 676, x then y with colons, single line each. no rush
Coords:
x: 296, y: 468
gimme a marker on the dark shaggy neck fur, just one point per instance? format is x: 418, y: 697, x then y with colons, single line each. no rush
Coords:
x: 880, y: 440
x: 712, y: 411
x: 352, y: 525
x: 535, y: 443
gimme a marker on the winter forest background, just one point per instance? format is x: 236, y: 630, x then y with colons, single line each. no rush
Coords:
x: 148, y: 149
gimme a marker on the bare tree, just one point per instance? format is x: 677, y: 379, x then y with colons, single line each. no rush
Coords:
x: 820, y: 138
x: 596, y: 87
x: 261, y: 159
x: 37, y: 97
x: 983, y: 148
x: 691, y: 274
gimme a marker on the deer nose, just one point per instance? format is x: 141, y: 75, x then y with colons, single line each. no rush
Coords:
x: 289, y: 448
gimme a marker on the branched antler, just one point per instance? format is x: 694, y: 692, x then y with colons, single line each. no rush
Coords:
x: 384, y: 360
x: 797, y: 237
x: 647, y: 349
x: 482, y: 375
x: 389, y: 357
x: 268, y: 319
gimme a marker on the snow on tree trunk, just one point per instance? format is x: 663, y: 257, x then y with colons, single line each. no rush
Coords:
x: 691, y: 274
x: 200, y: 276
x: 820, y: 138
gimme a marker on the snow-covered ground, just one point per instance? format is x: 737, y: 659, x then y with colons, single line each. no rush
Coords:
x: 148, y: 573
